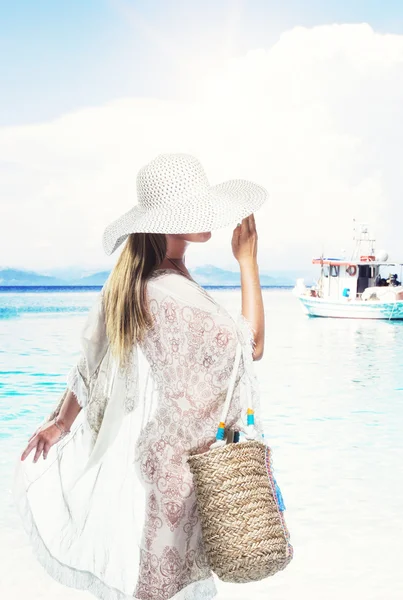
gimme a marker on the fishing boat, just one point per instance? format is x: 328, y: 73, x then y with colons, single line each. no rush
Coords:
x: 365, y: 287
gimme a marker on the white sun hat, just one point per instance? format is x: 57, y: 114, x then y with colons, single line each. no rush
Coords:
x: 174, y: 196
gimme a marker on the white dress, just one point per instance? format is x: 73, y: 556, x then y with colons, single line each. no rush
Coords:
x: 112, y: 510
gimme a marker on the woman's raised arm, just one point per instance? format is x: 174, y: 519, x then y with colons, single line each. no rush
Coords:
x: 244, y: 247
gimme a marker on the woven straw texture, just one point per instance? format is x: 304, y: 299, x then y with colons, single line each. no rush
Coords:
x: 174, y: 196
x: 244, y: 532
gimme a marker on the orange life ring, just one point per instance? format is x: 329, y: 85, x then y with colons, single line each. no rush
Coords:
x: 351, y: 270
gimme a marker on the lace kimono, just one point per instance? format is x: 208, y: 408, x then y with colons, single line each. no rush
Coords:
x: 112, y: 509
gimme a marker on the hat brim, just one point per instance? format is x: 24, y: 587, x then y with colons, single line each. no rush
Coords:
x: 225, y: 204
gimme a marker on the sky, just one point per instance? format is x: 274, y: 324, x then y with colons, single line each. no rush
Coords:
x: 303, y: 97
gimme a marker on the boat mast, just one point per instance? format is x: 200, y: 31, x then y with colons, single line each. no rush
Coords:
x: 321, y: 278
x: 362, y: 237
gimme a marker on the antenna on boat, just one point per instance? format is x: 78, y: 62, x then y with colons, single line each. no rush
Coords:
x: 354, y: 238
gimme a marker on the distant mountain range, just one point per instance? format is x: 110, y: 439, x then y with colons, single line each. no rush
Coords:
x: 207, y: 275
x: 17, y: 277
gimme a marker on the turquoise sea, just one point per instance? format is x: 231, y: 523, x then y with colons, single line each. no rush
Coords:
x: 332, y: 401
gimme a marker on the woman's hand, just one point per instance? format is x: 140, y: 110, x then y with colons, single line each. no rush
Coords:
x: 49, y: 434
x: 42, y: 440
x: 244, y: 241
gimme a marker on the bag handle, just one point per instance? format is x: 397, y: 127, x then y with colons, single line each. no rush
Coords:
x: 251, y: 432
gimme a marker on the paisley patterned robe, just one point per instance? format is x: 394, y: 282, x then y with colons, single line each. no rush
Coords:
x: 112, y: 510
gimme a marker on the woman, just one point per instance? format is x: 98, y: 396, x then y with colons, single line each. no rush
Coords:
x: 111, y: 507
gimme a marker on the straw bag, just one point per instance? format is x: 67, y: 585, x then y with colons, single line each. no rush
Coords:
x: 240, y: 504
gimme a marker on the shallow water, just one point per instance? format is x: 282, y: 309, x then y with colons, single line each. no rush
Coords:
x: 332, y: 399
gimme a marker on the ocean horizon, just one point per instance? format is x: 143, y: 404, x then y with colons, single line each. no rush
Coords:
x: 67, y: 288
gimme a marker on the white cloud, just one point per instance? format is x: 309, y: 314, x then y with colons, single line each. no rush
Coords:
x: 316, y: 119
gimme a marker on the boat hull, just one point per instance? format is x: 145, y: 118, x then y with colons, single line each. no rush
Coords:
x: 318, y: 307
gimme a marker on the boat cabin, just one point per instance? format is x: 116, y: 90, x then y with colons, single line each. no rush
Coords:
x: 349, y: 279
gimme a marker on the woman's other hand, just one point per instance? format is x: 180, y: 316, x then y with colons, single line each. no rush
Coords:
x: 42, y: 440
x: 244, y: 241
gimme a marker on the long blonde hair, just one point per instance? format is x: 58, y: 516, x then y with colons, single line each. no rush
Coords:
x: 125, y: 304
